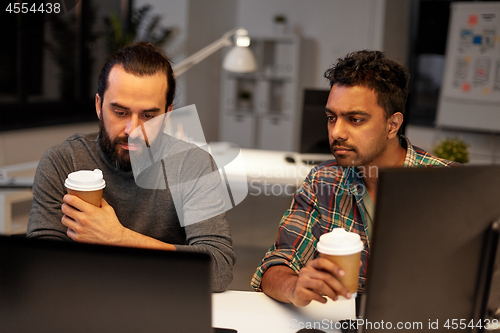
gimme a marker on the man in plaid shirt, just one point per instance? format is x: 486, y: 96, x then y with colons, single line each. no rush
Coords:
x: 365, y: 111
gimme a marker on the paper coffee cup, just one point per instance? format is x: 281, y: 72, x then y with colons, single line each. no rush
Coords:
x: 87, y: 185
x: 344, y: 249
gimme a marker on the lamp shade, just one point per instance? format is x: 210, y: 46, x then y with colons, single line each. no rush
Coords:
x: 240, y: 59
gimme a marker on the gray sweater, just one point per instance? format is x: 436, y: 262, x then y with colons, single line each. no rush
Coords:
x: 147, y: 211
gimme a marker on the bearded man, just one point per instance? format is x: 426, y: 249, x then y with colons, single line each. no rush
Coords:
x: 136, y: 85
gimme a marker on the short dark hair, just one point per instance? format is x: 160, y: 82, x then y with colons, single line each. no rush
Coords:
x: 139, y: 59
x: 371, y: 69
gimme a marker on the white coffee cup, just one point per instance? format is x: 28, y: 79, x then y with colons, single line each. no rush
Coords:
x: 87, y: 185
x: 344, y: 249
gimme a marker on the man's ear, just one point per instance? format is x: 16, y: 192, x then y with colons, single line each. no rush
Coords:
x: 98, y: 105
x: 169, y: 109
x: 394, y: 123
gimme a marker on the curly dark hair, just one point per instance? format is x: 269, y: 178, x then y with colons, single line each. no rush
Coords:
x: 141, y: 59
x: 371, y: 69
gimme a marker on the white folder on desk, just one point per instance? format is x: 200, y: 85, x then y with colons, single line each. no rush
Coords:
x: 252, y: 312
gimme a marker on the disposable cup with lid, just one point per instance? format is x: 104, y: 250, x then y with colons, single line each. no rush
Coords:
x: 340, y: 242
x: 85, y: 180
x: 344, y: 249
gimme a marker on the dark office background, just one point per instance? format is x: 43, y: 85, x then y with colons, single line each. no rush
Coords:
x: 70, y: 41
x: 74, y: 35
x: 428, y: 35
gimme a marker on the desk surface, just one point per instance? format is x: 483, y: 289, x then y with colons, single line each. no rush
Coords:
x: 272, y: 166
x: 252, y: 312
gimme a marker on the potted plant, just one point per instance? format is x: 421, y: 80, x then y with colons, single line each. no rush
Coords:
x: 119, y: 35
x: 452, y: 149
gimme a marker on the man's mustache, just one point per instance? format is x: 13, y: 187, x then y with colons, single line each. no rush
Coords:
x: 121, y: 140
x: 342, y: 145
x: 128, y: 140
x: 140, y: 140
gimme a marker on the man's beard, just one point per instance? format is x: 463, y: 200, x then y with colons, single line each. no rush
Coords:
x: 374, y: 151
x: 118, y: 156
x: 341, y: 144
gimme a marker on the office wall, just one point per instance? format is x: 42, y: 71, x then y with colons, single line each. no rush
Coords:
x: 396, y: 30
x: 208, y: 21
x: 198, y: 23
x: 330, y: 28
x: 175, y: 13
x: 29, y: 145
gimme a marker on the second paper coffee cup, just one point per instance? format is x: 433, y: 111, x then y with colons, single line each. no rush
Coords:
x: 87, y: 185
x: 344, y: 249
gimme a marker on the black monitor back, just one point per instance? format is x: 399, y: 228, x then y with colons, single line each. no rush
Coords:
x: 428, y: 258
x: 52, y: 286
x: 314, y: 130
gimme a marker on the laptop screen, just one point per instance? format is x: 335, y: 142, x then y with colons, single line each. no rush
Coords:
x: 52, y: 286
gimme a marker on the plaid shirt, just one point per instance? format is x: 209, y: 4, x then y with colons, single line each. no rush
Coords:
x: 330, y: 197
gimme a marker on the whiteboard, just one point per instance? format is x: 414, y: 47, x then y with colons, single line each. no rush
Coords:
x: 470, y: 95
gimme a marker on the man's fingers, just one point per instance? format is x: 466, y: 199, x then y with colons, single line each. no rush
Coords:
x: 77, y: 203
x: 321, y: 282
x: 304, y: 296
x: 71, y: 233
x: 326, y: 265
x: 71, y: 200
x: 327, y: 271
x: 68, y: 222
x: 71, y: 212
x: 67, y: 209
x: 318, y: 287
x: 326, y: 284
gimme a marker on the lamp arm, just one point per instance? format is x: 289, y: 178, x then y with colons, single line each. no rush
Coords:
x: 192, y: 60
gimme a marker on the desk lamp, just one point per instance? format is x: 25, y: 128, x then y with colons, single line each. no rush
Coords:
x: 239, y: 59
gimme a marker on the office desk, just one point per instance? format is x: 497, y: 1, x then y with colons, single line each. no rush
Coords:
x: 258, y: 165
x: 252, y: 312
x: 272, y: 166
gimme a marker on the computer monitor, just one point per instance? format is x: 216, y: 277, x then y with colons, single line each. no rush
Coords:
x: 430, y: 260
x: 54, y: 286
x: 314, y: 131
